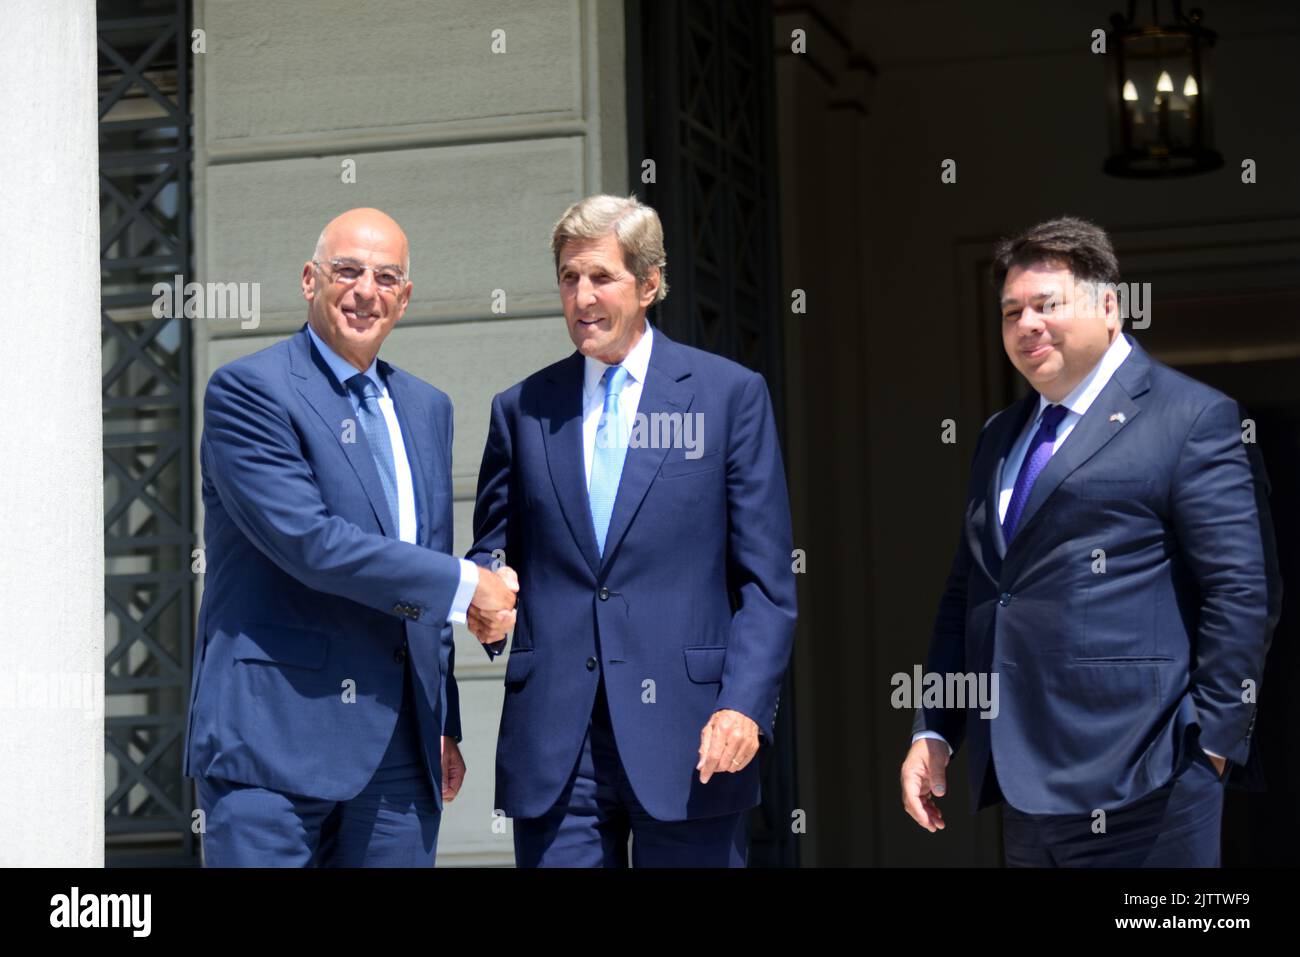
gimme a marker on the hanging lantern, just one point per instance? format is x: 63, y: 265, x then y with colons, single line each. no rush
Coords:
x: 1159, y: 95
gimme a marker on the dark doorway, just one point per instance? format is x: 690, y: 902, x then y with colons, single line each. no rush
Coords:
x: 1259, y: 811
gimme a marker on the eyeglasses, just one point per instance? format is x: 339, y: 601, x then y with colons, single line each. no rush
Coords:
x: 345, y: 272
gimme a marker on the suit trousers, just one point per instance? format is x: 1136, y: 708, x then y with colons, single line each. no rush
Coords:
x: 597, y: 811
x: 393, y: 822
x: 1177, y: 825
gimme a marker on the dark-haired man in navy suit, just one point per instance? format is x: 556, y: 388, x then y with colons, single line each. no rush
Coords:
x: 1111, y: 570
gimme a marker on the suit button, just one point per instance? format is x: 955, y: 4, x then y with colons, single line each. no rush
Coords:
x: 591, y: 664
x: 400, y: 654
x: 604, y: 594
x: 1004, y: 599
x: 399, y: 609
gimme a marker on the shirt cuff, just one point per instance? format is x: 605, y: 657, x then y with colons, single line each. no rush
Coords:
x: 464, y: 592
x: 932, y: 734
x: 1213, y: 755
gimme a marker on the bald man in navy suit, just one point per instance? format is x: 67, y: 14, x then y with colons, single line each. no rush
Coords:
x: 324, y: 715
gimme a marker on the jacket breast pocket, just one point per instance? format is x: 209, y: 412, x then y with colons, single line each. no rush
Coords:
x: 1113, y: 489
x: 281, y: 645
x: 674, y: 467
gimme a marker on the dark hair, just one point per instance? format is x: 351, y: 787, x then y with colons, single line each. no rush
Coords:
x: 1081, y: 246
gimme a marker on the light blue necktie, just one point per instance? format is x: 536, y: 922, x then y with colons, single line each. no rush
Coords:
x: 607, y: 458
x: 375, y: 428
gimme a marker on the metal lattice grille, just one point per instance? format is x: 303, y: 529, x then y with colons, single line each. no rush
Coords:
x: 710, y: 131
x: 144, y: 141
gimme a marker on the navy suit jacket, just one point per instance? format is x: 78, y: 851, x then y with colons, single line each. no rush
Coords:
x: 1101, y: 674
x: 690, y: 610
x: 308, y: 586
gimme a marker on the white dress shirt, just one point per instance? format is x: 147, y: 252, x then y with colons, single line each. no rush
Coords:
x: 637, y: 363
x: 406, y: 518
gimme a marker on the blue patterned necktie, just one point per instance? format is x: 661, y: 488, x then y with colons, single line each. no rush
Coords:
x: 608, y: 456
x: 1037, y: 456
x: 375, y: 428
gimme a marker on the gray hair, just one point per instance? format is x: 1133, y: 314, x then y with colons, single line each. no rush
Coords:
x: 635, y: 225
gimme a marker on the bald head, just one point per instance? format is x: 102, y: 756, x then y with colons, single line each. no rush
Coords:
x: 357, y: 284
x: 363, y: 228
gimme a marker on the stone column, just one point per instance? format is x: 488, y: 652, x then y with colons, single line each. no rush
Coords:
x: 51, y: 495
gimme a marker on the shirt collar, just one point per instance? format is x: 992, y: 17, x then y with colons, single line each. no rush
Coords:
x: 344, y: 370
x: 1085, y: 393
x: 637, y: 364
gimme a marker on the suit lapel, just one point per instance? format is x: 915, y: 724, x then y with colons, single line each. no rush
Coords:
x: 329, y: 399
x: 562, y: 432
x: 662, y: 393
x: 1111, y: 411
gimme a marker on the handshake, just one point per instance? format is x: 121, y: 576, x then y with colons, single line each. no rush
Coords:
x: 492, y: 609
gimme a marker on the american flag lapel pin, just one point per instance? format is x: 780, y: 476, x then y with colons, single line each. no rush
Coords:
x: 1117, y: 417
